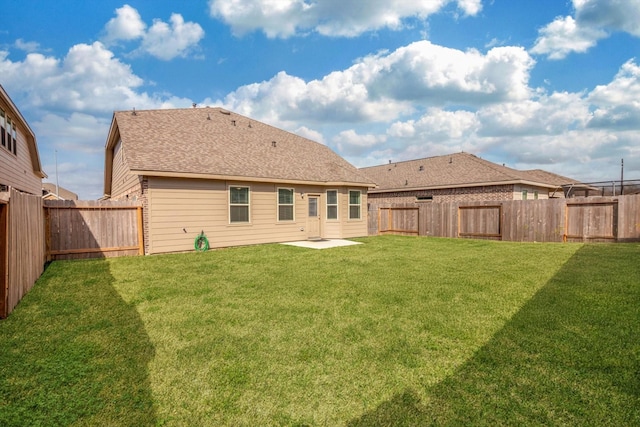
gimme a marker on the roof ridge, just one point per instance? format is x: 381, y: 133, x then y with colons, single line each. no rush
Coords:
x: 418, y: 160
x: 498, y: 168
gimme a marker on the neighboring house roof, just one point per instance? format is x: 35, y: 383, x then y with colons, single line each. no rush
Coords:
x: 218, y: 144
x: 51, y: 191
x: 30, y: 136
x: 455, y: 171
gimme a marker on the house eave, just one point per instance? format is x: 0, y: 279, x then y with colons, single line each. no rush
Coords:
x: 465, y: 185
x: 167, y: 174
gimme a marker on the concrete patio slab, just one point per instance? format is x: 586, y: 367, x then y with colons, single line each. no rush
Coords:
x: 322, y: 244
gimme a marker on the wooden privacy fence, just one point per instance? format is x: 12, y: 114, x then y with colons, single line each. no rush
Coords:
x: 22, y: 246
x: 89, y: 229
x: 602, y: 219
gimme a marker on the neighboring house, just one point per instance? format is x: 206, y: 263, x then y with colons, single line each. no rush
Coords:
x: 459, y: 177
x: 55, y: 192
x: 20, y: 166
x: 22, y: 241
x: 237, y: 180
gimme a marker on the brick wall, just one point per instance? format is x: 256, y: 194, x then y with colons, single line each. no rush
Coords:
x: 468, y: 194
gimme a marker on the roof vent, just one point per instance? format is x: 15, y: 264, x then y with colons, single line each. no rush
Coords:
x: 228, y: 113
x: 208, y: 116
x: 450, y: 160
x: 406, y: 182
x: 194, y: 105
x: 233, y: 122
x: 273, y: 143
x: 421, y: 168
x: 134, y: 111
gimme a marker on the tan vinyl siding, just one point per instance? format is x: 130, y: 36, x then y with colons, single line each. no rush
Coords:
x: 17, y: 171
x: 179, y: 209
x: 353, y: 227
x: 122, y: 181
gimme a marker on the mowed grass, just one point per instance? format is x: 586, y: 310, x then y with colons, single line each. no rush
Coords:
x: 396, y: 331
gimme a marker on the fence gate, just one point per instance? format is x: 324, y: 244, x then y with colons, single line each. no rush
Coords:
x: 480, y: 221
x: 88, y: 229
x: 398, y: 220
x: 591, y: 221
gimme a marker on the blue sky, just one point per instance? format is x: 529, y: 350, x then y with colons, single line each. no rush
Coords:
x: 549, y: 84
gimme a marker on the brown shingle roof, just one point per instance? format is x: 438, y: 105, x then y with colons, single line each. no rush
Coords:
x: 213, y: 141
x: 62, y: 193
x: 453, y: 170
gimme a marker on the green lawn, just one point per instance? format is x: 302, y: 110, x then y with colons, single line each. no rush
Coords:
x: 396, y: 331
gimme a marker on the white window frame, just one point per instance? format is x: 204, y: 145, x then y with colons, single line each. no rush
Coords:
x: 336, y: 205
x: 359, y: 205
x: 248, y: 204
x: 292, y: 204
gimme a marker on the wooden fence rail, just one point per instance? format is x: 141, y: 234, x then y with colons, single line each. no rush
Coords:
x: 89, y: 229
x: 597, y: 219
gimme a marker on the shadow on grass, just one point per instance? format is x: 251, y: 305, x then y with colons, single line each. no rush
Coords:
x: 570, y: 356
x: 73, y: 352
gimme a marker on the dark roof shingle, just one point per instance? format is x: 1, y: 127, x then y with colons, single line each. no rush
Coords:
x: 213, y: 141
x: 453, y: 170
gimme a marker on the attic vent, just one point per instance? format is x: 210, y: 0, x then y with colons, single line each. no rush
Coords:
x: 421, y: 168
x: 273, y: 143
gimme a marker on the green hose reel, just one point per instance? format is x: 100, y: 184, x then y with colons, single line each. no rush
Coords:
x: 201, y: 243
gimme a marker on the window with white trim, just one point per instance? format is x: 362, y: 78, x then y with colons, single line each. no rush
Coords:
x: 354, y: 204
x: 238, y: 204
x: 3, y: 138
x: 332, y: 204
x: 285, y: 204
x: 8, y: 133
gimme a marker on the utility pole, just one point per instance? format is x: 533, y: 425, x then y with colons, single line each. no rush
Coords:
x: 57, y: 185
x: 621, y: 177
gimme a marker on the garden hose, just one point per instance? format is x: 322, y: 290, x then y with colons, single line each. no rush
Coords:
x: 201, y: 243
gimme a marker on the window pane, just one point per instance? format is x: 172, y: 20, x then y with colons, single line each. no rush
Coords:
x: 313, y: 207
x: 239, y: 195
x: 332, y: 212
x: 354, y: 197
x: 285, y: 196
x: 239, y: 213
x: 285, y: 213
x: 332, y: 197
x: 354, y: 212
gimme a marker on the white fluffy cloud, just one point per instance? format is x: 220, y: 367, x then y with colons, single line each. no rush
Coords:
x: 561, y: 132
x: 126, y: 25
x: 89, y: 79
x: 353, y: 144
x: 77, y: 132
x: 618, y: 103
x: 385, y: 86
x: 347, y: 18
x: 594, y: 20
x: 162, y: 40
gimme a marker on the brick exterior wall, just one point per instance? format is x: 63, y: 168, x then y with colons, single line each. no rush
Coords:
x: 466, y: 194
